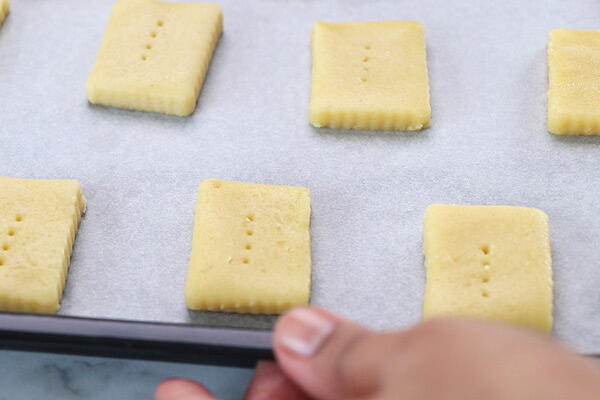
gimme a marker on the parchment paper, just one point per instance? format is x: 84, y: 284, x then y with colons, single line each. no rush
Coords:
x: 488, y: 144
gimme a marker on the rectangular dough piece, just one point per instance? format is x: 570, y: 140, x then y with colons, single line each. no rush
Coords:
x: 154, y: 55
x: 4, y: 9
x: 574, y: 82
x: 251, y: 248
x: 490, y: 262
x: 38, y: 224
x: 369, y: 75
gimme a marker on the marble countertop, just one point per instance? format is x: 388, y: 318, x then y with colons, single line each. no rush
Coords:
x: 50, y: 376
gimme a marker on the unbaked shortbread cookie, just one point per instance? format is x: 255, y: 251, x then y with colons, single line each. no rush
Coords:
x: 574, y: 82
x: 38, y: 223
x: 251, y: 248
x: 4, y: 8
x: 154, y: 55
x: 491, y: 262
x: 369, y: 75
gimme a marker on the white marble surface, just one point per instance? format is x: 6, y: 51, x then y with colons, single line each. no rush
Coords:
x: 25, y: 376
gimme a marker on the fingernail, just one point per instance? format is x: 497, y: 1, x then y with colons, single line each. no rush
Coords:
x: 303, y: 331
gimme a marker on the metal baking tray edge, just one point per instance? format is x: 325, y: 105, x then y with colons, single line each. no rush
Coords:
x: 155, y: 341
x: 134, y: 340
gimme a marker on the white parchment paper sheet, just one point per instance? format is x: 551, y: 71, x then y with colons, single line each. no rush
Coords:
x: 488, y: 144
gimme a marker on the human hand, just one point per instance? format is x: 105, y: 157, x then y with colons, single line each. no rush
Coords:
x: 323, y: 356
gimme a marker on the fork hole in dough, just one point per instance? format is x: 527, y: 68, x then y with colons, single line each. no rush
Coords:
x: 18, y: 218
x: 248, y: 246
x: 1, y: 261
x: 144, y: 57
x: 246, y: 261
x: 367, y: 46
x: 363, y: 79
x: 249, y: 233
x: 485, y: 249
x: 485, y: 279
x: 148, y: 46
x: 153, y: 34
x: 11, y: 232
x: 159, y: 23
x: 366, y: 59
x: 485, y: 293
x: 216, y: 185
x: 5, y: 247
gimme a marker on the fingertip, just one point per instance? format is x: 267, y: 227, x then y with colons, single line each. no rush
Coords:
x: 265, y: 366
x: 310, y: 309
x: 308, y: 343
x: 269, y: 382
x: 181, y: 389
x: 301, y: 331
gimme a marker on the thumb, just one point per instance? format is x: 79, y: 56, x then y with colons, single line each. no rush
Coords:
x: 327, y: 356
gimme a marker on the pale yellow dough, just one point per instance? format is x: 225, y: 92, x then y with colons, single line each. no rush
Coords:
x: 251, y: 248
x: 154, y: 55
x: 574, y: 82
x: 369, y: 75
x: 38, y: 223
x: 490, y: 262
x: 4, y: 9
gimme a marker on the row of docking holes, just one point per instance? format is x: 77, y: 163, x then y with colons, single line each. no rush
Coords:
x: 365, y: 60
x: 10, y: 232
x: 249, y: 231
x: 153, y: 34
x: 485, y: 249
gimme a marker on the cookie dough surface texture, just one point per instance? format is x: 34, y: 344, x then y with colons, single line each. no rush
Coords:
x: 251, y: 248
x: 4, y: 9
x: 38, y: 223
x: 369, y: 75
x: 490, y: 262
x: 154, y: 55
x: 574, y: 82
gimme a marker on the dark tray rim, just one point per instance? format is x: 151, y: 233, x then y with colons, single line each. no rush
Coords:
x: 156, y: 341
x: 141, y: 340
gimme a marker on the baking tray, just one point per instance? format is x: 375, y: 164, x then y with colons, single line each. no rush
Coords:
x: 488, y: 144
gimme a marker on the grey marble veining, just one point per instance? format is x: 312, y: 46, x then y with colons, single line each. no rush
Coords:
x: 25, y: 376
